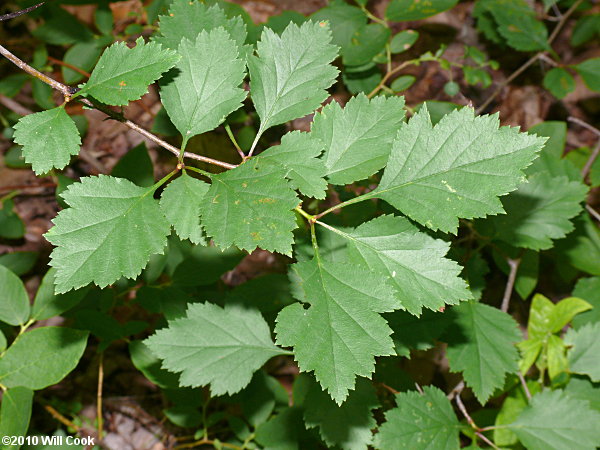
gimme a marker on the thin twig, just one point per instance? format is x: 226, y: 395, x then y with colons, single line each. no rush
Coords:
x: 591, y: 160
x: 69, y: 66
x: 99, y: 419
x: 457, y: 389
x: 387, y: 76
x: 510, y: 284
x: 14, y: 106
x: 585, y: 125
x: 525, y: 387
x: 461, y: 406
x: 595, y: 214
x: 20, y: 13
x: 563, y: 21
x: 62, y: 419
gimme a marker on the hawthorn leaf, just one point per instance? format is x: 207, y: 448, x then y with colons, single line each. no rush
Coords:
x: 14, y: 301
x: 411, y: 261
x: 358, y: 138
x: 455, y: 169
x: 206, y: 86
x: 583, y: 356
x: 420, y: 421
x: 342, y: 331
x: 180, y: 203
x: 222, y: 347
x: 555, y: 421
x: 42, y: 357
x: 481, y: 345
x: 110, y: 230
x: 123, y: 74
x: 417, y: 333
x: 251, y: 206
x: 540, y: 211
x: 49, y: 139
x: 290, y: 74
x: 347, y: 426
x: 298, y: 157
x: 589, y: 290
x: 15, y: 414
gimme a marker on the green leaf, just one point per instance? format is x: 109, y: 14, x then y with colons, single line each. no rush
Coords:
x: 408, y: 10
x: 357, y: 138
x: 260, y: 397
x: 49, y: 139
x: 589, y: 290
x: 216, y: 346
x: 48, y: 304
x: 206, y: 87
x: 109, y: 219
x: 551, y: 159
x: 123, y: 74
x: 251, y: 206
x: 403, y: 41
x: 456, y: 169
x: 298, y: 156
x: 145, y: 361
x: 11, y: 225
x: 583, y: 356
x: 554, y: 421
x: 206, y: 265
x: 347, y: 426
x: 180, y: 203
x: 559, y: 81
x: 419, y: 422
x: 290, y: 75
x: 344, y: 21
x: 540, y: 211
x: 402, y: 83
x: 590, y: 72
x: 481, y: 345
x: 136, y: 166
x: 285, y: 431
x: 581, y: 248
x: 366, y: 43
x: 82, y: 55
x: 19, y: 262
x: 581, y: 388
x: 512, y: 406
x: 15, y: 414
x: 340, y: 334
x: 585, y: 29
x: 42, y: 357
x: 14, y: 301
x: 564, y: 311
x: 419, y: 333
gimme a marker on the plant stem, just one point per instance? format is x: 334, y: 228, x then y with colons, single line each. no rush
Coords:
x: 200, y: 171
x: 9, y: 196
x: 360, y: 198
x: 20, y: 13
x: 304, y: 214
x: 315, y: 244
x: 512, y: 277
x: 99, y: 418
x: 524, y: 384
x: 389, y: 74
x: 593, y: 212
x: 235, y: 144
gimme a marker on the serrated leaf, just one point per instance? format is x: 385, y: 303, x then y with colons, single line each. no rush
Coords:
x: 216, y: 346
x: 456, y: 169
x: 419, y: 422
x: 290, y: 75
x: 206, y: 87
x: 15, y: 414
x: 14, y: 301
x: 555, y: 421
x: 583, y: 356
x: 49, y: 139
x: 340, y: 334
x: 123, y: 74
x: 357, y: 138
x: 180, y: 203
x: 42, y: 357
x: 251, y: 206
x: 481, y: 345
x: 110, y: 230
x: 297, y: 156
x: 411, y: 261
x: 540, y: 211
x: 347, y: 426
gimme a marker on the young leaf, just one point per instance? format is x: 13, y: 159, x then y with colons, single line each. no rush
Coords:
x: 123, y: 74
x: 411, y: 261
x: 48, y: 304
x: 540, y: 211
x: 290, y: 75
x: 206, y: 87
x: 347, y: 426
x: 15, y: 414
x: 555, y: 421
x: 481, y: 345
x: 340, y: 334
x: 456, y: 169
x: 583, y: 356
x: 42, y: 357
x: 298, y: 157
x: 251, y: 206
x: 216, y: 346
x: 358, y: 138
x: 420, y: 421
x: 180, y: 203
x: 14, y: 302
x: 49, y: 139
x: 110, y: 230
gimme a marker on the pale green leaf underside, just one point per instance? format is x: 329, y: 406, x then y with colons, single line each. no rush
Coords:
x: 555, y: 421
x: 251, y: 206
x: 298, y: 157
x: 49, y: 139
x: 481, y: 345
x: 584, y: 355
x: 358, y: 138
x: 420, y: 422
x: 411, y: 261
x: 340, y: 334
x: 123, y: 74
x: 216, y: 346
x: 205, y: 88
x: 456, y: 169
x: 290, y: 75
x: 110, y: 230
x: 540, y: 211
x: 180, y: 203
